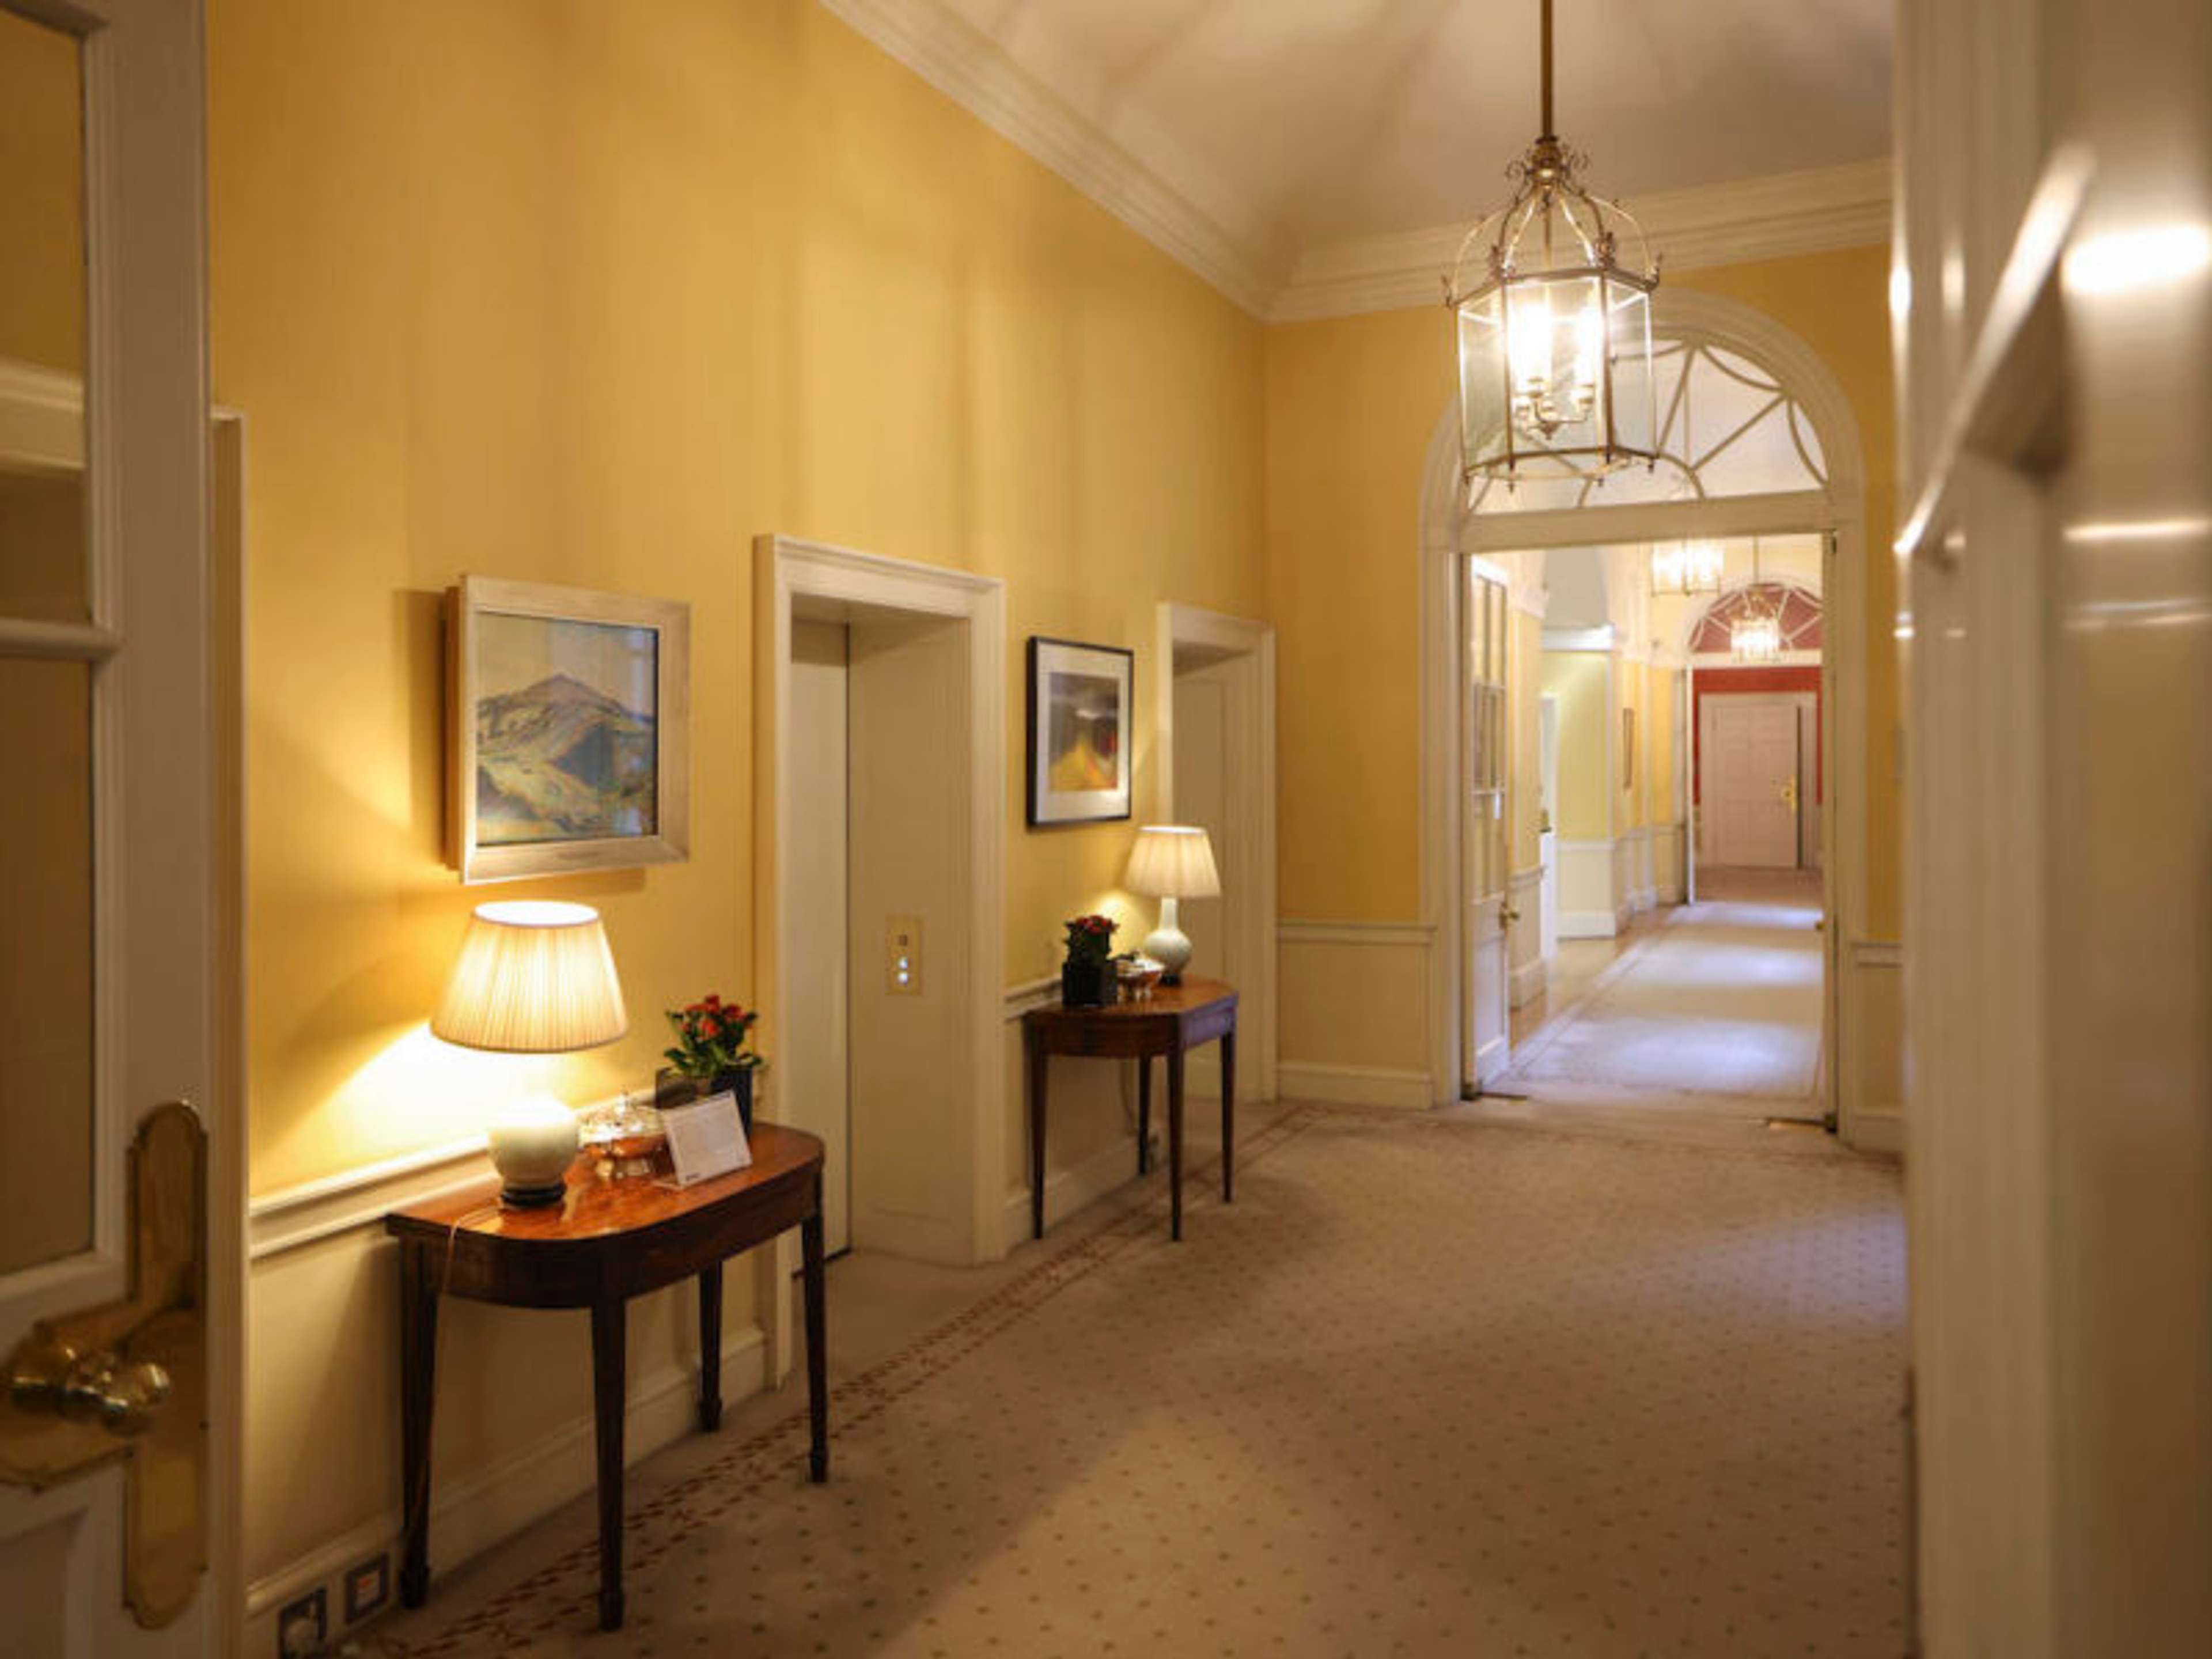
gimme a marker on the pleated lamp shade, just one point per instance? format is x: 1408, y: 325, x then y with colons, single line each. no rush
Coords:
x: 534, y: 977
x: 1173, y: 860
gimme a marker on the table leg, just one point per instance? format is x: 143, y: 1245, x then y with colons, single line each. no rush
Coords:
x: 1039, y: 1063
x: 609, y: 1397
x: 1229, y: 1117
x: 1144, y: 1113
x: 817, y: 1341
x: 1175, y: 1143
x: 710, y: 1348
x: 418, y: 1378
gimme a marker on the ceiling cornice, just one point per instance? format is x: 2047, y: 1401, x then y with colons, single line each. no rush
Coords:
x: 1769, y: 218
x: 1808, y: 212
x: 968, y: 67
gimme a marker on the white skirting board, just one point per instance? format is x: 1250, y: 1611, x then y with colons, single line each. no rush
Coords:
x: 478, y: 1510
x: 1066, y: 1191
x: 1353, y: 1085
x: 1592, y: 924
x: 1529, y: 981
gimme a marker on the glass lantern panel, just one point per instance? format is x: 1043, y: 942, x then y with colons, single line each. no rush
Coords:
x: 1630, y: 382
x: 1482, y: 379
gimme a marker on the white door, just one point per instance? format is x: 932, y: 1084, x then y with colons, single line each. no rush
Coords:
x: 1485, y: 1041
x: 1751, y: 792
x: 1547, y: 838
x: 1208, y: 788
x: 110, y: 976
x: 813, y: 1075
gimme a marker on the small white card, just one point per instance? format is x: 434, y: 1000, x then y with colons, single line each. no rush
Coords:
x: 706, y: 1139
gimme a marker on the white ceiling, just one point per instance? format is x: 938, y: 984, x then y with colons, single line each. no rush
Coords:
x: 1295, y: 127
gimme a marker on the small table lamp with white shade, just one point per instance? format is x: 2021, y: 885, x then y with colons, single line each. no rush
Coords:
x: 534, y: 977
x: 1172, y: 862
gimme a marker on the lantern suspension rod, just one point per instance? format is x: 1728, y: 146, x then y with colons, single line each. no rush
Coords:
x: 1547, y: 129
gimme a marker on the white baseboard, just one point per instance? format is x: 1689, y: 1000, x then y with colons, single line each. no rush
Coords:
x: 471, y: 1514
x: 1353, y: 1085
x: 1670, y: 892
x: 1592, y: 924
x: 1066, y: 1191
x: 1529, y: 980
x: 1873, y: 1129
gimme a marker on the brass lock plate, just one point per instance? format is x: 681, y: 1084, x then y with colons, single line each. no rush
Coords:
x: 127, y: 1382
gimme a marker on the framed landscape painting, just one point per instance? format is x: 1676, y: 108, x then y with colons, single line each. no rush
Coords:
x: 567, y: 730
x: 1081, y: 705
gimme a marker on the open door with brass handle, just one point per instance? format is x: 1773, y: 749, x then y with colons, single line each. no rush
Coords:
x: 127, y: 1381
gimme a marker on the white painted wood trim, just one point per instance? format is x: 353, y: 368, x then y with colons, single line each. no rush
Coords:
x: 785, y: 570
x: 471, y: 1514
x: 1356, y: 1085
x: 1594, y: 924
x: 1812, y: 211
x: 1177, y: 624
x: 1233, y: 253
x: 1531, y: 979
x: 1600, y: 638
x: 41, y: 418
x: 1071, y: 1189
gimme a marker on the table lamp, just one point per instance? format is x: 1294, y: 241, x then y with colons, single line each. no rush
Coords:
x: 1170, y: 862
x: 534, y: 977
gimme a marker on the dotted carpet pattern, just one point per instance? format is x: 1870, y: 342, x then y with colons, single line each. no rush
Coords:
x: 1425, y: 1389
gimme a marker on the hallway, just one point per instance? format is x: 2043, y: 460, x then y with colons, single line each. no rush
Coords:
x: 1428, y: 1386
x: 1713, y: 1007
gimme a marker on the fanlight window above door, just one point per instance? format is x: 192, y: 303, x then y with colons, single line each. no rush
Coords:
x: 1726, y: 427
x: 1797, y: 616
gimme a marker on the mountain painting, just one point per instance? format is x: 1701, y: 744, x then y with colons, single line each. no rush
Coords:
x: 567, y: 743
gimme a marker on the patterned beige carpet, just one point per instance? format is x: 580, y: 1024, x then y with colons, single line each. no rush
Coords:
x: 1427, y: 1387
x: 1722, y: 999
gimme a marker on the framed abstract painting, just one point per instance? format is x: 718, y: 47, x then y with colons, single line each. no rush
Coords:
x: 1082, y: 703
x: 567, y: 738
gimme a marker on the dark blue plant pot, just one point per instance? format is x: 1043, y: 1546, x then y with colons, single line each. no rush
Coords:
x: 1086, y: 984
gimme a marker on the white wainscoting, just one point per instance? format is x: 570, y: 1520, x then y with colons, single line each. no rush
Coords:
x: 1870, y: 1059
x: 1091, y: 1127
x: 1591, y: 905
x: 1669, y: 874
x: 1353, y: 1013
x: 1639, y: 885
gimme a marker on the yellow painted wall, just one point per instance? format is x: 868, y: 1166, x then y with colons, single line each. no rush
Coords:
x: 1351, y: 404
x: 568, y: 291
x: 589, y: 294
x: 1580, y: 680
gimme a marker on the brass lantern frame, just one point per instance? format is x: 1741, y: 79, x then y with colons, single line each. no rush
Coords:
x: 1554, y: 236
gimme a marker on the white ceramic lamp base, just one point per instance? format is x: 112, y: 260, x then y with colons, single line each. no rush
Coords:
x: 533, y: 1141
x: 1169, y: 946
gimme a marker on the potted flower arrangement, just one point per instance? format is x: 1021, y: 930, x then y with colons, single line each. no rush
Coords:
x: 713, y: 1055
x: 1086, y: 977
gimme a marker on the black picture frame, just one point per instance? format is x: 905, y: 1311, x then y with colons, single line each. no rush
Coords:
x: 1052, y: 707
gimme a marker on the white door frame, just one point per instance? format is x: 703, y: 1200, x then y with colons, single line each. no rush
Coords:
x: 145, y: 433
x: 787, y: 569
x: 1838, y: 511
x: 1191, y: 626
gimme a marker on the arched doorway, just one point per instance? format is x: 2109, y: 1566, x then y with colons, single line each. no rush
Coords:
x: 1759, y: 440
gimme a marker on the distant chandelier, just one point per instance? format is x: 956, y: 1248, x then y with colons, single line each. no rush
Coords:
x: 1555, y: 339
x: 1756, y: 634
x: 1686, y: 568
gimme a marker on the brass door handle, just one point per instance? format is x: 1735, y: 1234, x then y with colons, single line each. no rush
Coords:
x: 1507, y: 913
x: 52, y: 1374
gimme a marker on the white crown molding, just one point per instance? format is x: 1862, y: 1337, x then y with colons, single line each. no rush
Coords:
x: 1770, y: 218
x: 968, y: 67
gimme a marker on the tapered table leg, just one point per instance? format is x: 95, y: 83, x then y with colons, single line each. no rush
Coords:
x: 710, y: 1348
x: 609, y: 1397
x: 1144, y: 1113
x: 1175, y: 1143
x: 1229, y: 1117
x: 1039, y: 1063
x: 818, y: 1340
x: 418, y: 1386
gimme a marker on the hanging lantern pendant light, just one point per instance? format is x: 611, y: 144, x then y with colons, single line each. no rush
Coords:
x: 1756, y: 634
x: 1555, y: 336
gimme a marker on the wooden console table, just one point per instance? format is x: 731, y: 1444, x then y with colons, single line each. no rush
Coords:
x: 1173, y: 1020
x: 606, y: 1243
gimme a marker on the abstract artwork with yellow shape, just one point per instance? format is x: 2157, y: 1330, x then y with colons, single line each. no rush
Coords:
x: 1079, y: 714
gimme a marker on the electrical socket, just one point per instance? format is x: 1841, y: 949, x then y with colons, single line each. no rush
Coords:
x: 368, y: 1587
x: 303, y: 1628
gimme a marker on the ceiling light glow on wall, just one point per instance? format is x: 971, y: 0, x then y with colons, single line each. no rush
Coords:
x: 1555, y: 331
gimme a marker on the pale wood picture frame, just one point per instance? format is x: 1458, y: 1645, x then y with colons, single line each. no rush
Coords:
x: 586, y: 780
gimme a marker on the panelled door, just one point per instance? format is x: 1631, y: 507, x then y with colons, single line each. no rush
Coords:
x: 112, y: 1485
x: 1753, y: 783
x: 1486, y: 1033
